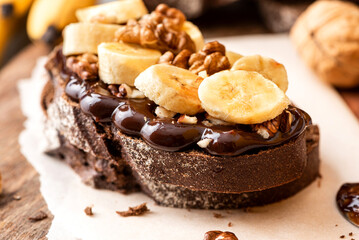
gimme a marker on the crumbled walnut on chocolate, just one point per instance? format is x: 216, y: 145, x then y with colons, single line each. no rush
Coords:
x: 85, y: 65
x: 125, y: 91
x: 162, y: 112
x: 219, y: 235
x: 268, y: 129
x: 134, y: 211
x: 185, y: 119
x: 38, y: 217
x: 159, y: 30
x: 204, y: 142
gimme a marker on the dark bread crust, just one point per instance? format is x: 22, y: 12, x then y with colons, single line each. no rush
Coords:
x: 244, y: 173
x: 105, y: 158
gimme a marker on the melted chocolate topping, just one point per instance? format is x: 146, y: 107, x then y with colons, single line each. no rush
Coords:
x: 348, y: 201
x: 136, y: 117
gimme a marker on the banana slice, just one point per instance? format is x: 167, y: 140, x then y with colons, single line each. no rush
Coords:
x: 195, y: 34
x: 233, y: 57
x: 113, y: 12
x: 243, y: 97
x: 268, y: 67
x: 85, y: 37
x: 171, y: 87
x: 122, y: 63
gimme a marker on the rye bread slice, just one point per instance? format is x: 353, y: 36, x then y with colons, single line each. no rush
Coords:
x: 106, y: 158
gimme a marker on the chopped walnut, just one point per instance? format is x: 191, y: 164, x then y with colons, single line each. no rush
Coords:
x: 204, y: 142
x: 125, y: 91
x: 219, y: 235
x: 159, y: 30
x: 162, y: 112
x: 187, y: 119
x: 268, y: 129
x: 85, y: 65
x: 212, y: 58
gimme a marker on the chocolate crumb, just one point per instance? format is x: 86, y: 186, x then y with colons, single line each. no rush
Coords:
x: 342, y: 236
x: 134, y: 211
x: 16, y: 197
x: 350, y: 234
x: 88, y: 211
x: 230, y: 224
x: 38, y: 217
x: 336, y: 225
x: 217, y: 215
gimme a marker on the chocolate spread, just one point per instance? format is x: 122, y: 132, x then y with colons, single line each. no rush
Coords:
x: 136, y: 117
x: 348, y: 201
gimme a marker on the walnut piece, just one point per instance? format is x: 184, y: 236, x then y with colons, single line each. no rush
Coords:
x: 204, y: 142
x: 219, y: 235
x: 88, y: 211
x: 162, y: 112
x: 159, y: 30
x: 181, y: 60
x: 268, y: 129
x: 125, y: 91
x: 185, y: 119
x: 211, y: 59
x: 85, y: 65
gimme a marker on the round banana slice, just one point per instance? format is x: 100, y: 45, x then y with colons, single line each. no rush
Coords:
x: 243, y: 97
x: 122, y: 62
x: 85, y: 37
x: 268, y: 67
x: 113, y: 12
x: 171, y: 87
x: 233, y: 57
x: 195, y: 34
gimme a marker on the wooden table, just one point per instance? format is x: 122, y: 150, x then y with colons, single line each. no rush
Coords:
x: 19, y: 177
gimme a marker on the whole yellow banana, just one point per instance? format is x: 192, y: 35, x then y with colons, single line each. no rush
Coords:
x: 11, y: 12
x: 47, y: 18
x: 14, y: 8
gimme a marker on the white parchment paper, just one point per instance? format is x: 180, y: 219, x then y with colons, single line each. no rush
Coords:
x: 311, y: 214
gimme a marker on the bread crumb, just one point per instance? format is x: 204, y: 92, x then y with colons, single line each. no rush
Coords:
x: 230, y: 224
x: 134, y: 211
x: 38, y: 217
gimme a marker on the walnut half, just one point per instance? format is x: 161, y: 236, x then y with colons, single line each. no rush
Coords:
x: 85, y: 65
x: 162, y: 30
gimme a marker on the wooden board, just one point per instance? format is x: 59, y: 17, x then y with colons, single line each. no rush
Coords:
x: 19, y: 177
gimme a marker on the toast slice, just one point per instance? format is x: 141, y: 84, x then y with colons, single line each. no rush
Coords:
x: 106, y: 158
